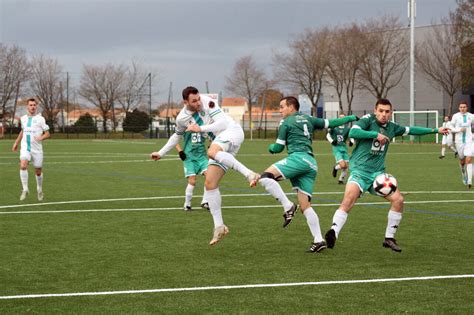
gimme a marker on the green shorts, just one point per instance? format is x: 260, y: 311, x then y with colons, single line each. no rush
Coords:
x: 340, y: 153
x: 301, y: 169
x: 364, y: 180
x: 195, y: 167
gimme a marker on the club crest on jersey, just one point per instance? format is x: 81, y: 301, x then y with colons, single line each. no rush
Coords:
x: 212, y: 104
x: 202, y: 113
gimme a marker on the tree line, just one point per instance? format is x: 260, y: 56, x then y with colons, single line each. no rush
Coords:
x: 371, y: 56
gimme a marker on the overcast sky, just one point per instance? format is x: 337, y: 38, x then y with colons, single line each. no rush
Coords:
x: 183, y: 41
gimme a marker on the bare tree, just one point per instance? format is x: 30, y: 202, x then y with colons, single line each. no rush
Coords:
x: 463, y: 21
x: 247, y: 80
x: 134, y: 86
x: 45, y: 83
x: 345, y: 57
x: 304, y: 66
x: 14, y: 71
x: 385, y: 55
x: 439, y: 56
x: 101, y: 85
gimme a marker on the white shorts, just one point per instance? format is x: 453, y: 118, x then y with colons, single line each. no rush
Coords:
x: 230, y: 141
x: 447, y: 139
x: 464, y: 149
x: 36, y: 156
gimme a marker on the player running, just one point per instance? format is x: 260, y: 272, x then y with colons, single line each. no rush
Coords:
x: 33, y: 131
x: 300, y: 167
x: 447, y: 139
x: 201, y: 114
x: 461, y: 125
x: 338, y: 137
x: 373, y: 133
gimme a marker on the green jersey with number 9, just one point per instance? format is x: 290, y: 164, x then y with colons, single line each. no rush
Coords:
x: 296, y: 132
x: 369, y: 154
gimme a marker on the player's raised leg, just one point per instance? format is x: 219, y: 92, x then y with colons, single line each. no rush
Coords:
x: 268, y: 180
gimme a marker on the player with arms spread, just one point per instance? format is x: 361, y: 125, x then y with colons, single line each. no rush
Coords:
x: 373, y: 133
x: 300, y: 167
x: 202, y: 115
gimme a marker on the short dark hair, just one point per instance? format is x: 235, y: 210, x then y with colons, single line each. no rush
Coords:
x: 189, y: 90
x: 463, y: 102
x: 31, y: 99
x: 291, y: 100
x: 383, y: 101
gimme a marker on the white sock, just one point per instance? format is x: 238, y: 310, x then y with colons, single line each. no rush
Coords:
x: 394, y: 219
x: 469, y: 173
x: 214, y: 198
x: 338, y: 221
x: 443, y: 151
x: 463, y: 169
x: 343, y: 174
x: 24, y: 179
x: 39, y: 183
x: 204, y: 200
x: 337, y: 167
x: 231, y: 162
x: 453, y: 148
x: 188, y: 195
x: 313, y: 223
x: 275, y: 190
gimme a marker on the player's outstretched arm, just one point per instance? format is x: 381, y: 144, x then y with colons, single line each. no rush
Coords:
x: 172, y: 142
x: 419, y: 131
x: 341, y: 121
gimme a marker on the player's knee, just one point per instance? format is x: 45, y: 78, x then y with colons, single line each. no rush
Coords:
x: 192, y: 180
x: 212, y: 151
x: 210, y: 185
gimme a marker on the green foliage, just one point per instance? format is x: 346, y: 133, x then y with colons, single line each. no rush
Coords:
x: 136, y: 121
x: 85, y: 124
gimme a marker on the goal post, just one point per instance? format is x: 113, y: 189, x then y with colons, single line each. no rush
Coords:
x: 421, y: 118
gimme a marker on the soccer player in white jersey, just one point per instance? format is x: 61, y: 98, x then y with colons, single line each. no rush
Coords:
x: 461, y: 125
x: 33, y: 131
x: 202, y: 114
x: 447, y: 139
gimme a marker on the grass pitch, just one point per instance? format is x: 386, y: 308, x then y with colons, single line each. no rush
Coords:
x: 112, y: 220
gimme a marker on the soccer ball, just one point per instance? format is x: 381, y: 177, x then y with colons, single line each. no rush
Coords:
x: 384, y: 185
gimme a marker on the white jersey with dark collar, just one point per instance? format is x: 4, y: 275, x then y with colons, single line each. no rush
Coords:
x: 32, y: 126
x: 209, y: 113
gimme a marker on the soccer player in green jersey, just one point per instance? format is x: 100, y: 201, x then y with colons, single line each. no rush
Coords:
x: 338, y: 137
x: 194, y: 159
x: 300, y: 167
x: 373, y: 133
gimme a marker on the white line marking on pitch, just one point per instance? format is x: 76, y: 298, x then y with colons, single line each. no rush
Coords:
x: 227, y: 207
x: 227, y: 195
x: 230, y: 287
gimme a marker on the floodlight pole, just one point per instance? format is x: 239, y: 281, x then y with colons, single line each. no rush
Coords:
x: 412, y: 15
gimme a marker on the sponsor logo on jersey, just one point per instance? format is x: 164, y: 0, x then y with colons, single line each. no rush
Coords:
x: 212, y: 104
